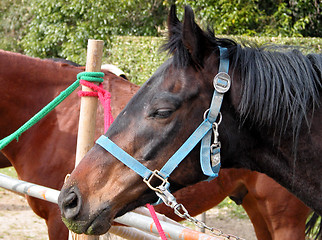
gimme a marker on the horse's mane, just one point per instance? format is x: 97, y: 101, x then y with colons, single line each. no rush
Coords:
x: 278, y: 87
x: 279, y: 84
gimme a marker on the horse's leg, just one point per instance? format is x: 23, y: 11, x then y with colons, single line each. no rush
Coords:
x: 291, y: 232
x: 261, y: 229
x: 284, y: 214
x: 286, y: 218
x: 4, y: 162
x: 50, y: 212
x: 56, y: 228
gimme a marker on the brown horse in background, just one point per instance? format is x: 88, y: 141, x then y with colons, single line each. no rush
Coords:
x: 29, y: 84
x: 4, y: 162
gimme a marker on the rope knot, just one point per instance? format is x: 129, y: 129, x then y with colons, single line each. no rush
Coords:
x: 87, y: 79
x: 91, y: 76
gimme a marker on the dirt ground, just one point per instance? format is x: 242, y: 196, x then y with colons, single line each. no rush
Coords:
x: 18, y: 222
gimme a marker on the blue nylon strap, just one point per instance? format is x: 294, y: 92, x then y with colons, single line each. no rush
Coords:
x: 172, y: 163
x: 205, y: 152
x: 205, y: 162
x: 224, y: 60
x: 215, y: 106
x: 126, y: 158
x: 186, y: 148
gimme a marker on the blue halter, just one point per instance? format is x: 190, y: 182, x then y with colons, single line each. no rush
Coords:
x: 209, y: 153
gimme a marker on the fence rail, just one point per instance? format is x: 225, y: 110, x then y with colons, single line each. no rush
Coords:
x: 139, y: 221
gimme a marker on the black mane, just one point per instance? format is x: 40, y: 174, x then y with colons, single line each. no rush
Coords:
x: 279, y: 86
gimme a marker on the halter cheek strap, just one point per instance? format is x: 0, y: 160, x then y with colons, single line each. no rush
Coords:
x: 210, y: 163
x: 209, y: 153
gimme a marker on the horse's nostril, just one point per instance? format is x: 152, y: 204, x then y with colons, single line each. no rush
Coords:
x: 71, y: 200
x: 70, y: 203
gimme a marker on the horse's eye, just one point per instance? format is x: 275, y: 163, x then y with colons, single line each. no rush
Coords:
x: 162, y: 113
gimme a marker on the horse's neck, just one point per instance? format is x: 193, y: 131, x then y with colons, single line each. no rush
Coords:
x: 28, y: 85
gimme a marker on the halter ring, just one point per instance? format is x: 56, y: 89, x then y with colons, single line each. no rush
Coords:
x: 219, y: 114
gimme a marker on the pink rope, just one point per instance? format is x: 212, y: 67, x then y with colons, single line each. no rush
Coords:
x: 105, y: 99
x: 156, y: 221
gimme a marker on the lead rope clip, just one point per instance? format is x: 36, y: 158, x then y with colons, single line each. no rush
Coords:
x: 215, y: 147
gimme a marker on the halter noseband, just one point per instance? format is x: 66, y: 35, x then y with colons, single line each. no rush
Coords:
x: 209, y: 153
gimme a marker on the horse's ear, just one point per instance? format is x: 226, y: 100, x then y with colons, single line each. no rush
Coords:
x: 193, y: 37
x: 173, y: 21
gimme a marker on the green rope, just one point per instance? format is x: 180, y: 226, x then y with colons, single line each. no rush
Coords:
x: 91, y: 76
x: 88, y: 76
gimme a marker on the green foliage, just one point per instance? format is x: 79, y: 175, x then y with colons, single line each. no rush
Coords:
x: 14, y: 16
x: 61, y: 28
x: 139, y: 17
x: 294, y: 18
x: 9, y: 171
x: 139, y: 57
x: 227, y: 17
x: 254, y: 17
x: 232, y: 209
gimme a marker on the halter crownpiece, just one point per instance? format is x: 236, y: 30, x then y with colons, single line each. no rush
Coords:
x: 209, y: 153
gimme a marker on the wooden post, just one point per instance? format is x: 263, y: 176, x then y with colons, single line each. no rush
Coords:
x: 87, y: 117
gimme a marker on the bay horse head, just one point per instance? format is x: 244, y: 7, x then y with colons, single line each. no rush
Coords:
x: 160, y: 119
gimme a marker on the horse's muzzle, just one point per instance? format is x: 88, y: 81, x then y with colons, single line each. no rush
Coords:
x: 70, y: 204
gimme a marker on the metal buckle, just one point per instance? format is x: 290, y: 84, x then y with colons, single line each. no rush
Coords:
x: 222, y: 82
x: 156, y: 173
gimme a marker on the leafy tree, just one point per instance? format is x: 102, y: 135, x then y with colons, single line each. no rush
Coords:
x: 307, y: 17
x: 61, y: 28
x: 14, y: 16
x: 265, y: 18
x: 227, y: 17
x: 140, y: 17
x: 295, y: 18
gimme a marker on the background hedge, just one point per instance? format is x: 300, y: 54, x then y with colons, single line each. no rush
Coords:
x: 60, y: 28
